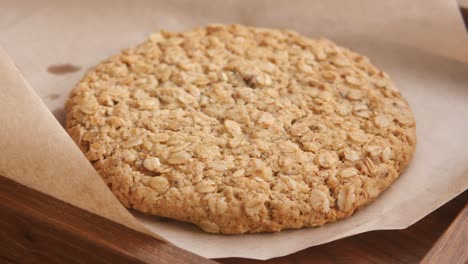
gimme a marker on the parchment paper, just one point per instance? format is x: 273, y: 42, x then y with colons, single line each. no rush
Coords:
x: 38, y: 153
x: 421, y: 44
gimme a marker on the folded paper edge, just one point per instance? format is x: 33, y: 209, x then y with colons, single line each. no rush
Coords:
x: 14, y: 76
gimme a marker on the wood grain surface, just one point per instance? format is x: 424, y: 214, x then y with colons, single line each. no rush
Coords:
x: 452, y: 246
x: 37, y: 228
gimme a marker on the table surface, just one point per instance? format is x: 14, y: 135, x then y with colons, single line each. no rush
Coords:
x: 409, y: 245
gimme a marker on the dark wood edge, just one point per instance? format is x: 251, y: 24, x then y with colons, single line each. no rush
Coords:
x: 452, y: 246
x: 464, y: 12
x: 37, y: 228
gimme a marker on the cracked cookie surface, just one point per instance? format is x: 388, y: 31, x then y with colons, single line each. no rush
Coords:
x: 239, y: 129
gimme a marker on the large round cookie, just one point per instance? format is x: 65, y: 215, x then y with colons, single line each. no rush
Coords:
x: 239, y: 129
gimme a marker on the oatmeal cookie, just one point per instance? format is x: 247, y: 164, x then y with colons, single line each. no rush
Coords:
x: 240, y: 129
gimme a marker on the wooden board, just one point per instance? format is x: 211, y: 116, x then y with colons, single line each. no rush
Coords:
x: 452, y: 246
x: 37, y: 228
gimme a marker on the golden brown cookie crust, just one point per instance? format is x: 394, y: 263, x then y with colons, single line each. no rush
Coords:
x: 240, y: 129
